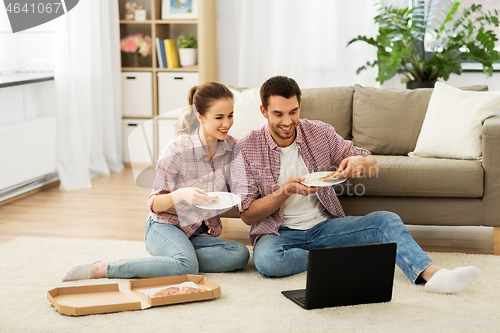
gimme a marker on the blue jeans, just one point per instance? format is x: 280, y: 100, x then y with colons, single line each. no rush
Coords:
x: 175, y: 254
x: 287, y: 254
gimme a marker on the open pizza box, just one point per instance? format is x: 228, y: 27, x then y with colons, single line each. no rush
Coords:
x: 105, y: 298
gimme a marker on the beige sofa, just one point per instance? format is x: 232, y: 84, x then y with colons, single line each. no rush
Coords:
x: 423, y: 191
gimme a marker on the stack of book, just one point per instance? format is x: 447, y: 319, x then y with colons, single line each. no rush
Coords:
x: 166, y: 51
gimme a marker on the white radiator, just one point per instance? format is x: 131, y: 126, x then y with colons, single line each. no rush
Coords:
x: 27, y: 152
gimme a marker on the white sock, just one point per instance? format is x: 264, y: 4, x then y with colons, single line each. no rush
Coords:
x: 447, y: 281
x: 78, y: 272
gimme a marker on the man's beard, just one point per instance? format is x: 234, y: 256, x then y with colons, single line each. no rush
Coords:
x: 293, y: 130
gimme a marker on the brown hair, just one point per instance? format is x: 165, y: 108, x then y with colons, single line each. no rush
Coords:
x: 279, y: 86
x: 200, y: 98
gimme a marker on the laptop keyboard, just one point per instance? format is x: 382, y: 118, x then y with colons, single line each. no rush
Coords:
x: 301, y: 299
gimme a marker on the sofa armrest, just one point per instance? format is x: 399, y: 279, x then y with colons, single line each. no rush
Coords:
x: 491, y: 165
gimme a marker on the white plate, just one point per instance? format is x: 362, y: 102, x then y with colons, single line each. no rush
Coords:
x: 226, y: 200
x: 311, y: 179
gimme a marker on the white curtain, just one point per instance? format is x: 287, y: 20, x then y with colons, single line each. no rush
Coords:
x: 303, y: 39
x: 88, y: 93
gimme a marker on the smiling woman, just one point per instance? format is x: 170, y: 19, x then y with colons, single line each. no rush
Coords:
x: 192, y: 170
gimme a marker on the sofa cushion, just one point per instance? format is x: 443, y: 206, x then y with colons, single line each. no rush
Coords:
x: 403, y: 176
x: 247, y: 115
x: 330, y: 105
x: 453, y: 123
x: 388, y: 121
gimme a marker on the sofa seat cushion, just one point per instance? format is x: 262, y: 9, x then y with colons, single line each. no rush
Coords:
x: 403, y: 176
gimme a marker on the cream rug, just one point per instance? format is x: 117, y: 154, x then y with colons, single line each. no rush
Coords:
x: 249, y: 303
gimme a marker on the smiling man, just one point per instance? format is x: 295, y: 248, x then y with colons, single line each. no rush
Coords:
x: 288, y: 218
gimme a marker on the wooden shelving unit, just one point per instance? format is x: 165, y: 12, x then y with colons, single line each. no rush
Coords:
x: 204, y: 28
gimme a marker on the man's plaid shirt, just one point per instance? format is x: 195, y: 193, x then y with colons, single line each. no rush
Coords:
x: 255, y: 171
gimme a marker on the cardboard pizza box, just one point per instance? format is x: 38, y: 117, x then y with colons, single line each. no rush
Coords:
x: 212, y: 289
x: 106, y: 298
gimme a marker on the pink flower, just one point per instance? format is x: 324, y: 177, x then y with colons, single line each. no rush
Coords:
x: 136, y: 43
x: 130, y: 46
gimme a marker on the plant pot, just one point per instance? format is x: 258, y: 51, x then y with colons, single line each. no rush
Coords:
x: 187, y: 57
x: 420, y: 84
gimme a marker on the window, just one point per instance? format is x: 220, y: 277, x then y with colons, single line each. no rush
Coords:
x: 26, y: 51
x: 491, y: 5
x: 444, y: 6
x: 8, y: 51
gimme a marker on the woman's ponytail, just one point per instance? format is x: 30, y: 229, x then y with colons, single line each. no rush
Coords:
x: 189, y: 122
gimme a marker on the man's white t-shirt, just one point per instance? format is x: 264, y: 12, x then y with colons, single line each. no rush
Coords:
x: 301, y: 212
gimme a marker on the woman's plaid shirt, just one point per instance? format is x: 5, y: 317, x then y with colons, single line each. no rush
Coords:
x: 186, y: 163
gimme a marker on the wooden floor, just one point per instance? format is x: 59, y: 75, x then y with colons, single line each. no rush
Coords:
x: 114, y: 208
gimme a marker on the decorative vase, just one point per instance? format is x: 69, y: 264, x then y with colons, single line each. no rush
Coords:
x: 187, y: 57
x: 136, y: 60
x: 420, y: 84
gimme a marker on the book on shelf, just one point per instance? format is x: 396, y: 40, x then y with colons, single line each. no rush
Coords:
x: 158, y: 53
x: 171, y: 52
x: 163, y: 54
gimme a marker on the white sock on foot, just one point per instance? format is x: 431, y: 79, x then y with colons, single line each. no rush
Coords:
x: 447, y: 281
x: 78, y: 272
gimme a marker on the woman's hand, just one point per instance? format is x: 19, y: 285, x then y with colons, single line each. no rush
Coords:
x: 192, y: 195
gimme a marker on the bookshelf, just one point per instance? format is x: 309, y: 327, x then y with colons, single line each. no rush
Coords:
x: 203, y: 27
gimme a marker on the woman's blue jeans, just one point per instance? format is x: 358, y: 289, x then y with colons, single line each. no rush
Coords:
x: 287, y: 254
x: 175, y: 254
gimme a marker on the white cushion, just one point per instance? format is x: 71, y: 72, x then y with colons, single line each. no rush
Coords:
x: 247, y: 116
x: 452, y: 127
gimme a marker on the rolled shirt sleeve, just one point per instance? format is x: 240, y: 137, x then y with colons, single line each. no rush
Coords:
x: 166, y: 170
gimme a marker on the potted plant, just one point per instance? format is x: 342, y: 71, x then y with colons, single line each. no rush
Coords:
x: 402, y: 46
x: 187, y: 49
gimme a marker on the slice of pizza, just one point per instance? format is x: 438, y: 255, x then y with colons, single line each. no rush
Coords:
x: 167, y: 292
x: 190, y: 290
x: 330, y: 176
